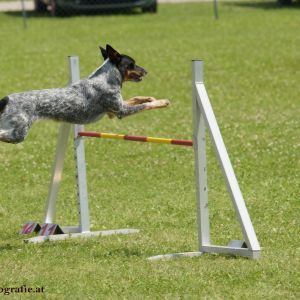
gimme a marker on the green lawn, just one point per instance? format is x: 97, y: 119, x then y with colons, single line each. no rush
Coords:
x: 252, y: 75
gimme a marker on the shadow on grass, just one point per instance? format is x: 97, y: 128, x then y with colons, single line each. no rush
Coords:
x: 6, y: 247
x: 264, y: 4
x: 123, y: 252
x: 11, y: 246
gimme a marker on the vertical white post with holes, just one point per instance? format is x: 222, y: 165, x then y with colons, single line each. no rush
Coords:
x: 79, y: 155
x: 203, y: 117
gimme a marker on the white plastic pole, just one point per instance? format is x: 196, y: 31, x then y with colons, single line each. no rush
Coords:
x: 61, y: 149
x: 199, y: 143
x: 82, y: 194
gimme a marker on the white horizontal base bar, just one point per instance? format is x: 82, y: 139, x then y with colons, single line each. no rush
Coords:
x: 71, y: 229
x: 231, y: 250
x: 61, y: 237
x: 175, y: 255
x: 211, y: 249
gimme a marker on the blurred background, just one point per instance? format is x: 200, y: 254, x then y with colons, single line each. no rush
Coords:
x: 250, y: 50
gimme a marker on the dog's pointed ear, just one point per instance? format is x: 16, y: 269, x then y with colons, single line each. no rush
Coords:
x: 103, y: 52
x: 113, y: 55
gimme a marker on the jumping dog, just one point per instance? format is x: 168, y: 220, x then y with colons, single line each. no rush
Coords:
x: 85, y: 101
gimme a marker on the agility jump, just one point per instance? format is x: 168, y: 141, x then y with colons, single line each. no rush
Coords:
x: 203, y: 118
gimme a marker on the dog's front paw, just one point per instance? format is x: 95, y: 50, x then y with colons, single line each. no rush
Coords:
x: 158, y: 104
x: 162, y: 103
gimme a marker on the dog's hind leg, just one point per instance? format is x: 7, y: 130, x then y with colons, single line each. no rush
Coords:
x: 13, y: 136
x: 14, y: 130
x: 6, y: 135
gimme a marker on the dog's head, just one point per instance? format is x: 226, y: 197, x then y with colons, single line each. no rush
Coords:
x: 125, y: 64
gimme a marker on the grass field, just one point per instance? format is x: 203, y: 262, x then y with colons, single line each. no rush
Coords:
x: 252, y: 75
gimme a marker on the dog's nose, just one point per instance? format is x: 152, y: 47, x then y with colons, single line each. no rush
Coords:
x: 145, y: 72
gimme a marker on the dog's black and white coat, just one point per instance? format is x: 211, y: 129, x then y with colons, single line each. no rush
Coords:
x: 83, y: 102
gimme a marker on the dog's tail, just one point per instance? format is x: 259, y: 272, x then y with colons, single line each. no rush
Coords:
x: 3, y: 103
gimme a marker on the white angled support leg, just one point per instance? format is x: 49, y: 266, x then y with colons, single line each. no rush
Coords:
x: 61, y: 149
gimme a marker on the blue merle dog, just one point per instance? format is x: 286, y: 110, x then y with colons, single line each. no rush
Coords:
x: 83, y: 102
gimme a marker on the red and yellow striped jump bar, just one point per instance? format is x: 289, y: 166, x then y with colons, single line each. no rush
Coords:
x: 136, y: 138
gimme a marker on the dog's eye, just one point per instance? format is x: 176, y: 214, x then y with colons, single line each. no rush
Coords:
x: 131, y: 66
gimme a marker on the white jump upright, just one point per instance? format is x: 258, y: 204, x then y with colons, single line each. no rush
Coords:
x: 83, y: 229
x: 203, y: 117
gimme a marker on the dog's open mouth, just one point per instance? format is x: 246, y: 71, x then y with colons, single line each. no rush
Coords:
x: 137, y: 77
